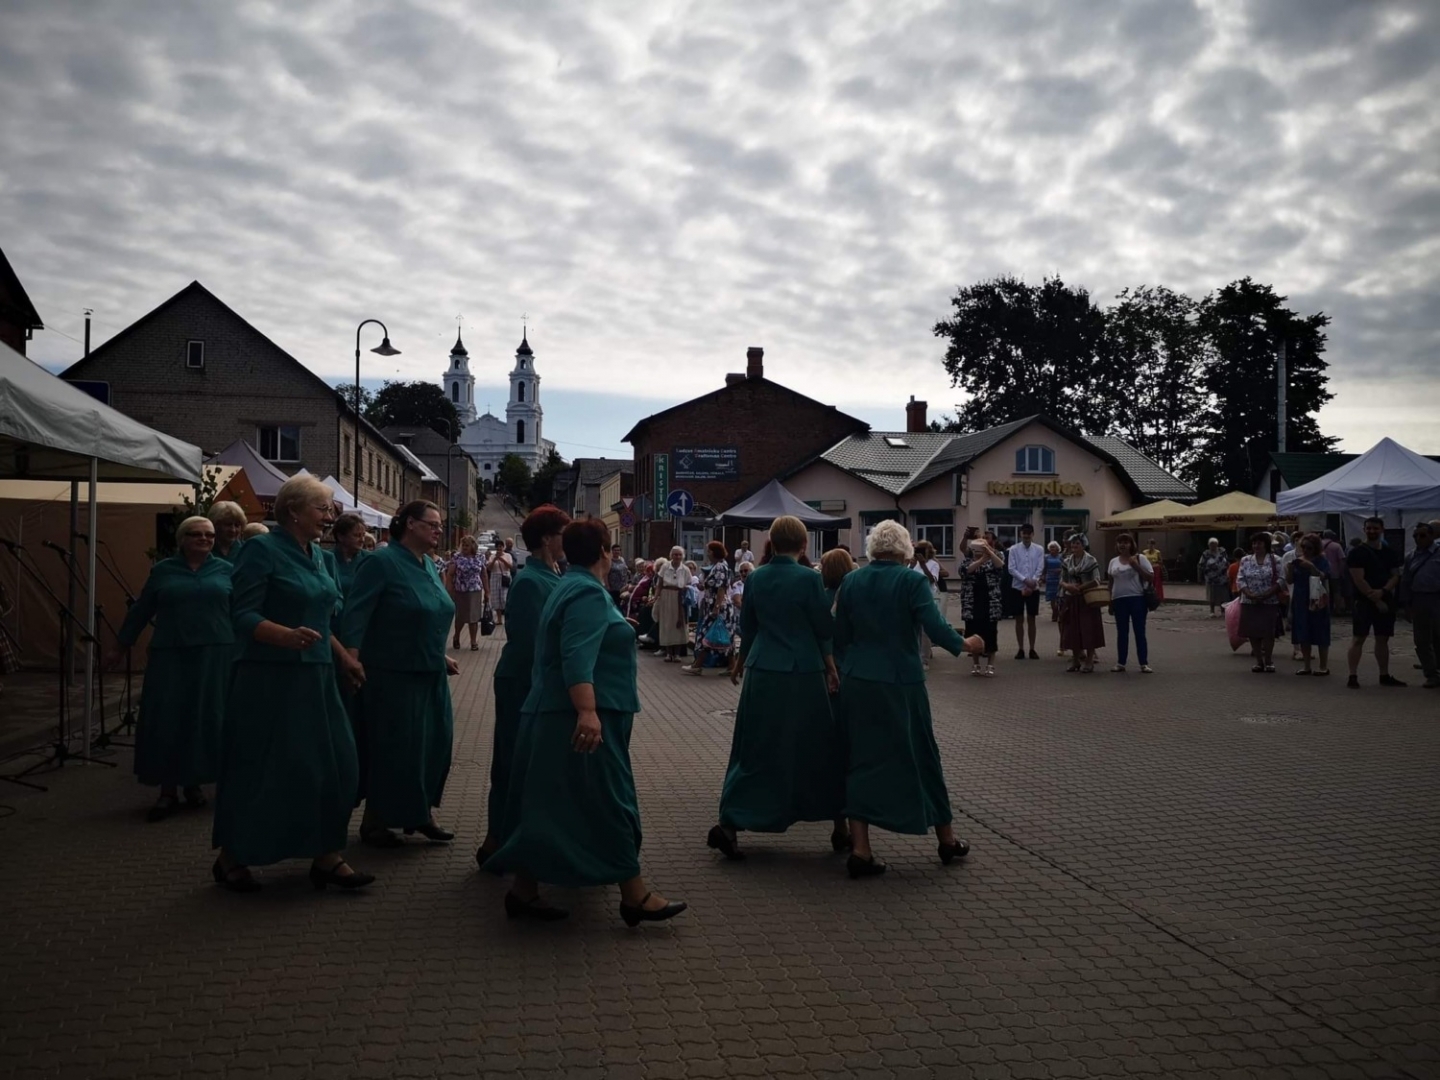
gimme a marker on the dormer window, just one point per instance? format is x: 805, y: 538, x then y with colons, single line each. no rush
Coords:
x: 1035, y: 459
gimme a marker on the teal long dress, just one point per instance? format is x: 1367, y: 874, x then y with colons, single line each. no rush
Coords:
x: 573, y: 819
x: 288, y: 772
x: 895, y: 780
x: 344, y: 572
x: 531, y: 587
x: 398, y: 614
x: 187, y: 675
x: 787, y: 754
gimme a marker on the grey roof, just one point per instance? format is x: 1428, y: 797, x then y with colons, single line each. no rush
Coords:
x: 420, y: 438
x: 425, y: 472
x: 872, y: 456
x: 1153, y: 481
x: 593, y: 470
x: 966, y: 448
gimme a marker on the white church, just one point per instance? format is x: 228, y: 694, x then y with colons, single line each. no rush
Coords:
x: 487, y: 438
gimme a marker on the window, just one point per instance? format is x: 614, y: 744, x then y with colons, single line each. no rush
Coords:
x: 370, y: 467
x: 1035, y: 459
x: 896, y: 444
x: 195, y: 354
x: 519, y: 431
x: 868, y: 520
x: 280, y: 442
x: 487, y: 466
x: 345, y: 462
x: 937, y: 526
x: 455, y: 392
x: 1057, y: 533
x: 520, y: 389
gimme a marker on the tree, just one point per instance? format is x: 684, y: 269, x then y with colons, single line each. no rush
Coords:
x: 347, y: 395
x: 1158, y: 349
x: 415, y: 404
x: 479, y: 493
x: 514, y: 478
x: 542, y: 486
x: 1018, y: 349
x: 1244, y: 323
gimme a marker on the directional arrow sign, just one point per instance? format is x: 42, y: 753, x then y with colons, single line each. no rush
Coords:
x: 680, y: 503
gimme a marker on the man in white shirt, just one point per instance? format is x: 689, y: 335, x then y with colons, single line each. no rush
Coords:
x: 1027, y: 567
x: 744, y: 555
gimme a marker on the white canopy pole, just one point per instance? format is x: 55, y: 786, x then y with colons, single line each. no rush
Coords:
x: 90, y: 607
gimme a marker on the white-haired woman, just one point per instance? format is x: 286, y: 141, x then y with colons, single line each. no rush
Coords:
x: 895, y: 778
x: 673, y: 577
x: 1214, y: 570
x: 177, y: 743
x: 288, y: 770
x: 229, y: 519
x: 498, y: 575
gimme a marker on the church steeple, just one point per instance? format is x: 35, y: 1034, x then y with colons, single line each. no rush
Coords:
x: 459, y: 383
x: 523, y: 415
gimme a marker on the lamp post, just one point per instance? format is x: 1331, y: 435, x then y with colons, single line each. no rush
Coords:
x: 450, y: 491
x: 383, y: 349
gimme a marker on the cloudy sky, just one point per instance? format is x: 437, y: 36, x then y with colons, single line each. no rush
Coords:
x: 660, y: 184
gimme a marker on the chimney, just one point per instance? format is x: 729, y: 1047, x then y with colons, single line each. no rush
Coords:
x: 915, y: 415
x: 754, y: 362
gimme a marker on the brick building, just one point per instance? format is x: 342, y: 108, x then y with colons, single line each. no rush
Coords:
x: 448, y: 461
x: 195, y: 369
x: 18, y: 317
x: 721, y: 447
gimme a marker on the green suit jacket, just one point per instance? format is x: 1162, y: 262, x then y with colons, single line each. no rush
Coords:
x: 397, y: 612
x: 190, y: 607
x: 277, y: 580
x: 530, y: 588
x: 583, y: 638
x: 877, y: 614
x: 785, y: 621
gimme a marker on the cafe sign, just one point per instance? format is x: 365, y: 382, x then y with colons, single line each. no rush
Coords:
x: 1034, y: 489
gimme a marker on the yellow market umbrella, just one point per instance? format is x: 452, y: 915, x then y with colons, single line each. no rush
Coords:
x: 1150, y: 516
x: 1234, y: 510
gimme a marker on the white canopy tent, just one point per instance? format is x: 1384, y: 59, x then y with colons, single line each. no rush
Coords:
x: 49, y: 430
x: 374, y: 519
x: 1387, y: 481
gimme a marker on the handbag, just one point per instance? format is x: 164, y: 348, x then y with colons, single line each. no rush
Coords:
x: 1152, y: 600
x: 487, y: 621
x: 1319, y: 594
x: 718, y: 636
x: 1282, y: 588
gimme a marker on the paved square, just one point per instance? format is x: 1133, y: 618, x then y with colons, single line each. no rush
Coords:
x: 1202, y: 872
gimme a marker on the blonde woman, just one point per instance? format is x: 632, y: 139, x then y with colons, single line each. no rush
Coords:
x: 229, y: 519
x: 288, y: 768
x: 252, y: 530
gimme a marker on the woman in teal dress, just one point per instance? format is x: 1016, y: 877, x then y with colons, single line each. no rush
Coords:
x: 895, y: 780
x: 288, y: 772
x: 530, y: 588
x: 787, y: 756
x: 229, y: 519
x: 177, y: 742
x: 396, y: 618
x: 349, y: 535
x: 572, y: 818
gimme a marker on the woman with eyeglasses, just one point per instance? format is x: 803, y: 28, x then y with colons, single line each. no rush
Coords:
x: 177, y: 742
x: 396, y: 619
x: 288, y: 770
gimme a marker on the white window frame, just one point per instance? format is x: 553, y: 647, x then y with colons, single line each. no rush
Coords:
x: 189, y: 358
x: 279, y: 445
x: 1057, y: 533
x: 1038, y: 454
x: 941, y: 533
x: 1006, y: 530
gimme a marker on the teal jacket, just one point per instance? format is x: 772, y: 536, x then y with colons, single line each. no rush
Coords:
x: 530, y: 588
x: 397, y: 612
x: 190, y: 607
x: 785, y: 621
x: 582, y: 638
x: 877, y: 614
x: 345, y: 571
x: 277, y: 580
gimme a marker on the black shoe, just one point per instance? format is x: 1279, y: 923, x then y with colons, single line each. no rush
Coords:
x: 724, y: 843
x: 194, y: 797
x: 1389, y: 680
x: 432, y: 832
x: 634, y: 916
x: 1352, y: 683
x: 534, y: 908
x: 353, y: 880
x: 380, y: 838
x: 1020, y: 655
x: 857, y: 867
x: 163, y: 808
x: 1034, y: 655
x: 840, y: 840
x: 949, y: 852
x: 245, y: 883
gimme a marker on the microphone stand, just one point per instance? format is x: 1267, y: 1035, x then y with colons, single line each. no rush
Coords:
x: 57, y: 753
x: 126, y: 727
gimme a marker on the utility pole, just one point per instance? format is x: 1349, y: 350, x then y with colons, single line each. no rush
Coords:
x: 1280, y: 399
x: 88, y: 312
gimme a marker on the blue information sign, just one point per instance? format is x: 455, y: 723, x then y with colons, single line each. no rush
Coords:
x: 706, y: 462
x: 680, y: 503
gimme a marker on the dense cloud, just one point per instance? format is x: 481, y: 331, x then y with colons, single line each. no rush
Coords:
x: 659, y: 185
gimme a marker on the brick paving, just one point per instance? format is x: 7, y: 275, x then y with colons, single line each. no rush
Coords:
x: 1202, y: 872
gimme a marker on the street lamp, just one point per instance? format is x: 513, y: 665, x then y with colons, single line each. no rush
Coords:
x: 383, y: 349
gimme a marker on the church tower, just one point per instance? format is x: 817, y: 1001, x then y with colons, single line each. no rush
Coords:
x: 523, y: 414
x: 459, y: 383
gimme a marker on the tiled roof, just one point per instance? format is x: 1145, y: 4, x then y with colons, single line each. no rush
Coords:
x: 593, y: 470
x: 1153, y: 481
x: 873, y: 456
x: 965, y: 448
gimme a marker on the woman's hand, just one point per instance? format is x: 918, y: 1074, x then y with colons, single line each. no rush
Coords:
x: 300, y: 638
x: 587, y: 732
x: 351, y: 670
x: 735, y: 672
x: 975, y: 645
x: 452, y: 667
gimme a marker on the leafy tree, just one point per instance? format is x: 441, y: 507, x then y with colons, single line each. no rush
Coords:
x: 1158, y: 350
x: 542, y: 486
x: 416, y: 404
x: 347, y: 395
x: 1244, y: 323
x: 206, y: 493
x: 1018, y: 349
x: 514, y: 478
x: 480, y: 492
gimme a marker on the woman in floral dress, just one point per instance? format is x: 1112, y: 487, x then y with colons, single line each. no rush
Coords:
x: 715, y: 609
x: 467, y: 587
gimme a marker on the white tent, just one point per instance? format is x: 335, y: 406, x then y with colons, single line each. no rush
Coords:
x: 49, y: 430
x: 374, y: 519
x: 1387, y: 481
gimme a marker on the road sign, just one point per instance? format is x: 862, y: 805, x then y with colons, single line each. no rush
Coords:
x: 627, y: 501
x: 706, y: 462
x: 680, y: 503
x: 627, y: 519
x: 662, y: 480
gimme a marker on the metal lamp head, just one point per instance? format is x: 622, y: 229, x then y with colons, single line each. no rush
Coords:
x: 386, y: 349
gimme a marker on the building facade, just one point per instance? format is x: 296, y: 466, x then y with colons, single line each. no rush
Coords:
x: 455, y: 470
x: 486, y: 437
x: 613, y: 490
x: 195, y: 369
x: 18, y: 318
x: 720, y: 448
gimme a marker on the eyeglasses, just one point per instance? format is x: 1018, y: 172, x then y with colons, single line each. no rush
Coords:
x: 436, y: 525
x: 324, y: 508
x: 198, y: 536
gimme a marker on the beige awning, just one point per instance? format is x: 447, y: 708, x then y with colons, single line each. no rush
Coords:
x: 1235, y: 510
x: 1150, y: 516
